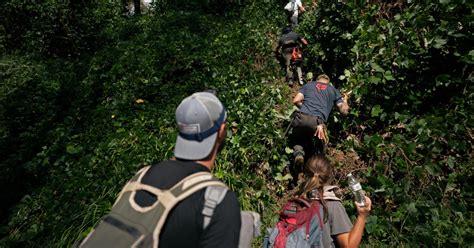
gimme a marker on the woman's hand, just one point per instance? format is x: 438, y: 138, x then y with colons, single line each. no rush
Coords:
x: 364, y: 211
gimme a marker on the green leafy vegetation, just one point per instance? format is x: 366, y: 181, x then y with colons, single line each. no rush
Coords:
x: 409, y: 71
x: 88, y: 97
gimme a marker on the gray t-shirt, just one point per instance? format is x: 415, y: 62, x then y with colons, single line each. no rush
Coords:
x: 338, y: 222
x: 319, y: 98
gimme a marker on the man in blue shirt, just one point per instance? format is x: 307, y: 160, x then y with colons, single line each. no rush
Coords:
x: 315, y: 100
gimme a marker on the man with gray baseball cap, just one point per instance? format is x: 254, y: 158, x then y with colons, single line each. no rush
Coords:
x: 201, y: 134
x: 199, y: 118
x: 178, y: 203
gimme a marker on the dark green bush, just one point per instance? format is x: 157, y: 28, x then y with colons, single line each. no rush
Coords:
x: 408, y: 70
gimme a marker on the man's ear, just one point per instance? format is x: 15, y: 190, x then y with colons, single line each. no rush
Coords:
x: 222, y: 132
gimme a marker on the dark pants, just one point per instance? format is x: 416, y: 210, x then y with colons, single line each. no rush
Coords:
x: 287, y: 53
x: 302, y: 138
x: 303, y: 141
x: 293, y: 20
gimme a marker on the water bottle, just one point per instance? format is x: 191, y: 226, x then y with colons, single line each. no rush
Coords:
x: 356, y: 189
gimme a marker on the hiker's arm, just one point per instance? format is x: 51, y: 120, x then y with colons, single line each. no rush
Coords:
x: 301, y: 8
x: 352, y: 239
x: 276, y: 51
x: 298, y: 99
x: 343, y: 106
x: 341, y: 102
x: 304, y: 41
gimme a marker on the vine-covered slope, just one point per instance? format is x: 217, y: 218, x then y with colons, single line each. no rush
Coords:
x: 88, y: 97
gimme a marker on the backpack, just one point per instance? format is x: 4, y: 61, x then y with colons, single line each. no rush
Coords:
x: 296, y: 54
x: 300, y: 225
x: 130, y: 225
x: 290, y: 6
x: 250, y: 228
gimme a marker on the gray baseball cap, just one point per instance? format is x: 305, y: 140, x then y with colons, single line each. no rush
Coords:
x: 199, y: 117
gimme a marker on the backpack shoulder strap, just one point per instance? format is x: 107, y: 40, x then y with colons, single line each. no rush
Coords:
x: 167, y: 199
x: 287, y: 41
x: 180, y: 191
x: 213, y: 197
x: 329, y: 193
x: 136, y: 178
x: 143, y: 224
x: 302, y: 201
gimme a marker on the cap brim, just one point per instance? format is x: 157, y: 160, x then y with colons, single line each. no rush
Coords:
x: 194, y: 150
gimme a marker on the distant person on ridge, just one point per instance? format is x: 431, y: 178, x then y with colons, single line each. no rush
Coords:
x: 178, y: 203
x: 294, y: 8
x: 289, y: 43
x: 315, y: 101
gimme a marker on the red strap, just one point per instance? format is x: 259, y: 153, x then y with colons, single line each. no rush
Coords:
x: 280, y: 240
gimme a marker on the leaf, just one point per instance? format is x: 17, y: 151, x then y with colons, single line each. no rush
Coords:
x: 450, y: 187
x: 376, y: 110
x: 388, y: 76
x: 379, y: 190
x: 450, y: 162
x: 374, y: 79
x: 71, y: 149
x: 282, y: 178
x: 412, y: 208
x: 439, y: 42
x: 432, y: 169
x: 288, y: 150
x: 371, y: 225
x: 377, y: 67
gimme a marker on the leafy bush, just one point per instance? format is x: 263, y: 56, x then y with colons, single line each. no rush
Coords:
x: 408, y: 70
x: 75, y: 128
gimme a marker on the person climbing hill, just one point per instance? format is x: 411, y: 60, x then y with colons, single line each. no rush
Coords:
x: 315, y: 101
x: 289, y: 45
x: 294, y: 9
x: 314, y: 215
x: 338, y: 230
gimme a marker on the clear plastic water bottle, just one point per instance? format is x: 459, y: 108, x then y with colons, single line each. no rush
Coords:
x: 356, y: 189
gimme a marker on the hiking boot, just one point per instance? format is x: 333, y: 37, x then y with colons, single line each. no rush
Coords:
x: 299, y: 161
